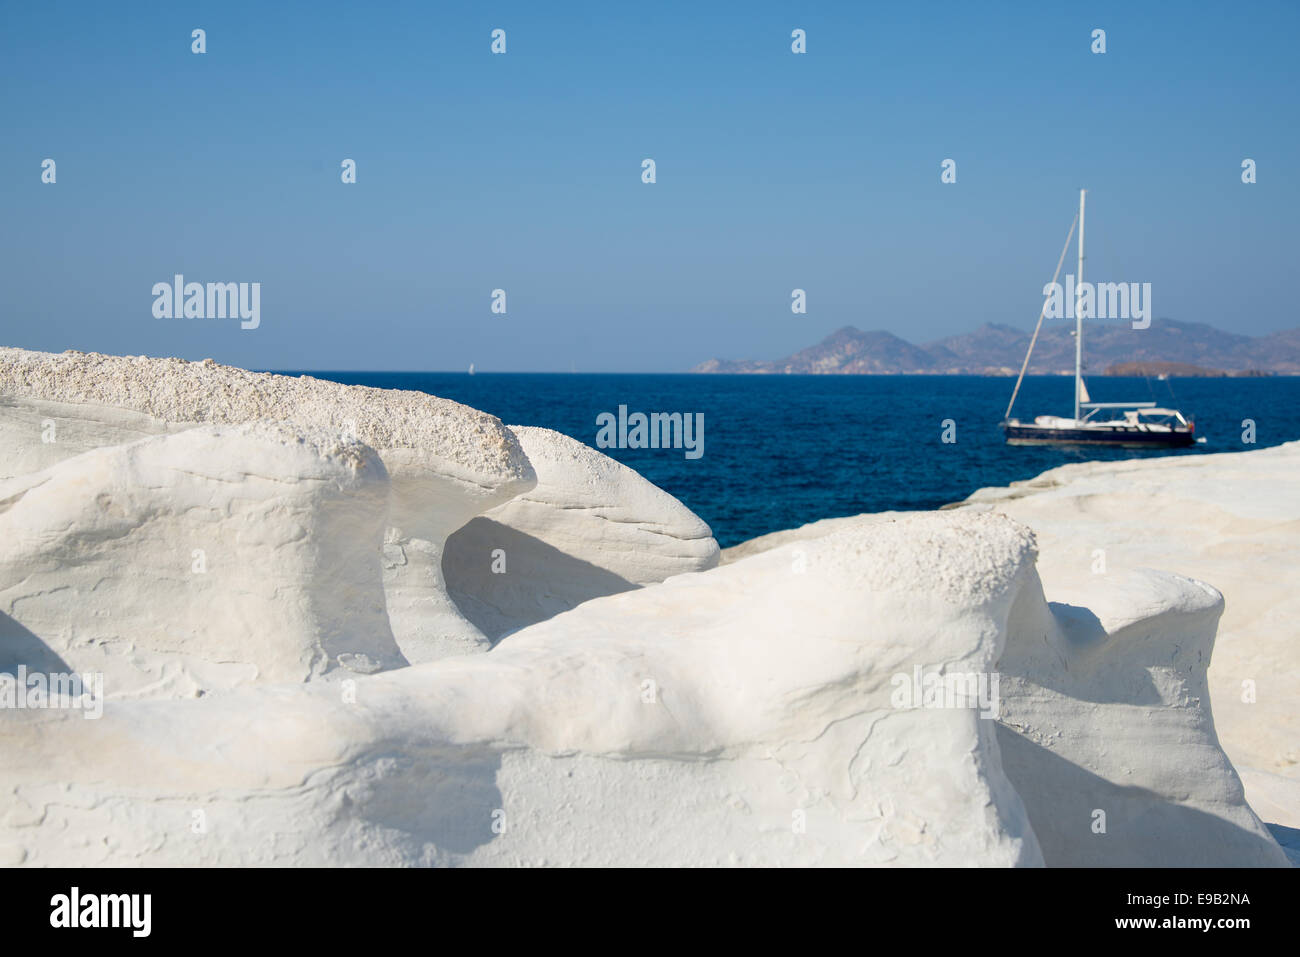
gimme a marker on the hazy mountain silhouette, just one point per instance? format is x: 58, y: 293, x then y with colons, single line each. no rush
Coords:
x: 994, y: 349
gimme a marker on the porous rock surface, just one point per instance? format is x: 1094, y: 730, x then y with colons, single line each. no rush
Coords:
x: 446, y: 461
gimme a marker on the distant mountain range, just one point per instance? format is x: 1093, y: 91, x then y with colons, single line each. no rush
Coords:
x: 1190, y: 348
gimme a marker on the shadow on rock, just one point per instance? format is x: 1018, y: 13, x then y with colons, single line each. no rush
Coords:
x: 502, y: 579
x: 21, y: 646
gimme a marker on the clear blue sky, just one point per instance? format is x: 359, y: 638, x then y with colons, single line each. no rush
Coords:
x: 523, y: 171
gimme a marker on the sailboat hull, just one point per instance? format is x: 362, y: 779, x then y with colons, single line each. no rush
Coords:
x: 1118, y: 436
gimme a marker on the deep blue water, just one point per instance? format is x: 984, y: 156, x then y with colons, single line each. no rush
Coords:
x: 780, y: 451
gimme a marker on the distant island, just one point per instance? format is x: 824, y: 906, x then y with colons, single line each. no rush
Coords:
x: 1182, y: 370
x: 1167, y: 347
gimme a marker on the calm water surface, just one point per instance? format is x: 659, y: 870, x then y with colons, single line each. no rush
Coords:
x: 780, y: 451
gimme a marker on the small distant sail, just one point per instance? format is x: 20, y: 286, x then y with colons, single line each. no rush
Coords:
x: 471, y: 368
x: 1083, y: 391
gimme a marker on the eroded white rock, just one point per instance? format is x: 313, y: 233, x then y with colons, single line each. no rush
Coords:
x: 1228, y: 519
x: 446, y: 461
x: 747, y: 714
x: 1107, y: 731
x: 198, y: 561
x: 742, y: 715
x: 590, y: 527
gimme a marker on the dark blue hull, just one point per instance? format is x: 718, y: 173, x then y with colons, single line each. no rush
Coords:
x: 1123, y: 437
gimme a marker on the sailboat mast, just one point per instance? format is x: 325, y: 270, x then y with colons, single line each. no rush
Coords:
x: 1078, y: 318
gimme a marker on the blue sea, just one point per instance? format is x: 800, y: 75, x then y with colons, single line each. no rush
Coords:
x: 780, y: 451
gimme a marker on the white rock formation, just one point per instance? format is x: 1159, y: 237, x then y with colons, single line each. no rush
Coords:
x: 188, y: 563
x: 591, y: 527
x: 743, y: 715
x: 1275, y: 798
x: 1107, y: 734
x: 1228, y: 519
x: 447, y: 462
x: 781, y: 709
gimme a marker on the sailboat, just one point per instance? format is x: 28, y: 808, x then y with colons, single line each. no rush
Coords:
x: 1138, y: 425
